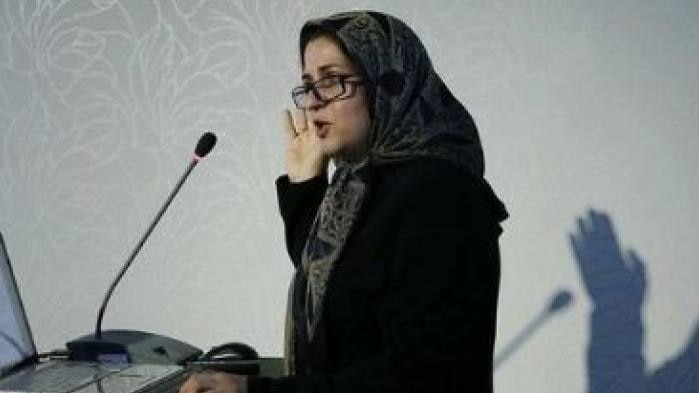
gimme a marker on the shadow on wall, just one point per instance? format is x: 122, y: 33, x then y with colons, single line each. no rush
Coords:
x: 559, y: 302
x: 616, y: 283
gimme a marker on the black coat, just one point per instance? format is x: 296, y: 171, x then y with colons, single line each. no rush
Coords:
x: 411, y: 304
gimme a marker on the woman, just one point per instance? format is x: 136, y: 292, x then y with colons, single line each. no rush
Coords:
x: 397, y: 261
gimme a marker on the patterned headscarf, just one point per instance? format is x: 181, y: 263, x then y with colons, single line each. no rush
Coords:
x: 413, y: 115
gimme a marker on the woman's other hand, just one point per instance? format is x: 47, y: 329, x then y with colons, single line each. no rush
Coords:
x: 211, y: 382
x: 304, y: 156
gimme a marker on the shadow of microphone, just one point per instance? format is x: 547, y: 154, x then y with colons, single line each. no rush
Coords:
x: 561, y: 300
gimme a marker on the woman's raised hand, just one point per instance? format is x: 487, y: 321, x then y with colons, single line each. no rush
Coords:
x: 304, y: 156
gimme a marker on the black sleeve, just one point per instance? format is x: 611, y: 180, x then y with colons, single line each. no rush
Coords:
x: 438, y: 313
x: 298, y: 204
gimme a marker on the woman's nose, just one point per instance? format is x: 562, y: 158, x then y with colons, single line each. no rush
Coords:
x: 313, y: 102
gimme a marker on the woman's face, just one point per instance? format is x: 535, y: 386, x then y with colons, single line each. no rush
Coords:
x: 342, y: 124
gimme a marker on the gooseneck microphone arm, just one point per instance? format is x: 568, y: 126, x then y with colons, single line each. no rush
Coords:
x: 204, y: 146
x: 137, y: 249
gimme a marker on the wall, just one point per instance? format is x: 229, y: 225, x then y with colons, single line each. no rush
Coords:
x: 580, y: 104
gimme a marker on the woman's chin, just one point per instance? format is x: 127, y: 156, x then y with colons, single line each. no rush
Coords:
x: 343, y: 152
x: 329, y: 149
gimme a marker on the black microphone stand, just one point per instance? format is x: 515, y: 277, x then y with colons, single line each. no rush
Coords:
x: 134, y: 346
x: 137, y: 249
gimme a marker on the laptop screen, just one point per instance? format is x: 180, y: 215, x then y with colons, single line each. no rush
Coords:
x: 16, y: 342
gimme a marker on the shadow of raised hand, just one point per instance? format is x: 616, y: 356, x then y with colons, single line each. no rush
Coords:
x: 616, y: 283
x: 608, y: 274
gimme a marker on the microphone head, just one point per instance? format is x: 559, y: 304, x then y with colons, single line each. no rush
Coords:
x: 205, y: 144
x: 562, y: 299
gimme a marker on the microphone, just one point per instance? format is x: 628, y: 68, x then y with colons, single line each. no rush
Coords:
x: 204, y: 146
x: 127, y: 345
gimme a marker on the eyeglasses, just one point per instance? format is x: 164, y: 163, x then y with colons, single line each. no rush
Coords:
x: 324, y: 90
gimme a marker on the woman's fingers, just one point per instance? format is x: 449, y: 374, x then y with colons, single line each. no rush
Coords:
x: 300, y: 121
x: 210, y: 382
x: 192, y: 385
x: 288, y: 125
x: 213, y: 382
x: 304, y: 158
x: 295, y: 124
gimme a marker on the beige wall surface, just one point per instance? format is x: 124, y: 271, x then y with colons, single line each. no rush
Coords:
x: 580, y: 104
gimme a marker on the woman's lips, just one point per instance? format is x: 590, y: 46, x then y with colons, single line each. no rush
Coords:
x: 322, y: 128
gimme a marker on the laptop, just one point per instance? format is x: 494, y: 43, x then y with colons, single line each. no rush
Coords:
x: 22, y: 371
